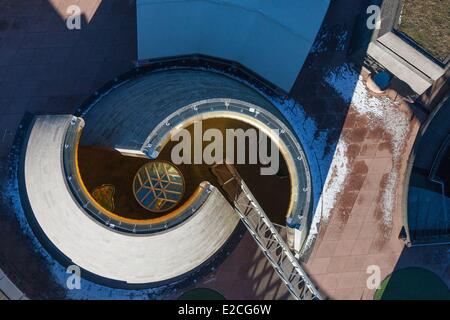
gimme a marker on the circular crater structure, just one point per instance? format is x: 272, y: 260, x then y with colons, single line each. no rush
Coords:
x: 109, y: 198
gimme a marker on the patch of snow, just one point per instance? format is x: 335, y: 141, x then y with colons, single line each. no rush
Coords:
x: 333, y: 186
x: 380, y: 110
x: 9, y: 193
x: 335, y: 180
x: 342, y: 40
x: 314, y: 143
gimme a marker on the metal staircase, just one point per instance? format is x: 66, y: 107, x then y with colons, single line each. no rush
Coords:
x: 264, y: 233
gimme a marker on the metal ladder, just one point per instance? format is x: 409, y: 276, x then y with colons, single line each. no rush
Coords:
x: 264, y: 233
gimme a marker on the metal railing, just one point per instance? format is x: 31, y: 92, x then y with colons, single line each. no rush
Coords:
x: 264, y: 233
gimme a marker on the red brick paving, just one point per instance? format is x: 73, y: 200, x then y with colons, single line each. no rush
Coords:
x: 47, y: 69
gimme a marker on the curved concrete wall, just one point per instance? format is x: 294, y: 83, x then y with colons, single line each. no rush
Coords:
x: 270, y: 37
x: 112, y: 255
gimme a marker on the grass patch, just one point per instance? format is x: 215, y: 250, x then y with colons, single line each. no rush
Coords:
x: 427, y: 22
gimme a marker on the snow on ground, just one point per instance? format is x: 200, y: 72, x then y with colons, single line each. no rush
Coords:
x: 342, y: 40
x: 388, y: 199
x: 336, y: 177
x: 314, y: 143
x: 381, y: 111
x: 321, y: 163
